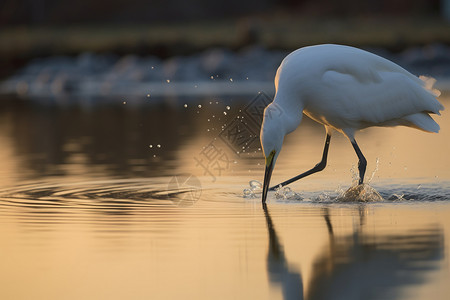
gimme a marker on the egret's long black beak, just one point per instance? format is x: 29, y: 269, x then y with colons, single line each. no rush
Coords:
x: 267, y: 175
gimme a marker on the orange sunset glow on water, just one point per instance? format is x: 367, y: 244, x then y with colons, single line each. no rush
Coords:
x: 92, y: 207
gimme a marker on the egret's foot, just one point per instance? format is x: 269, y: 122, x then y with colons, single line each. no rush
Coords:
x: 360, y: 193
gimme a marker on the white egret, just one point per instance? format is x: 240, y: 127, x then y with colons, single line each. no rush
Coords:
x: 345, y: 89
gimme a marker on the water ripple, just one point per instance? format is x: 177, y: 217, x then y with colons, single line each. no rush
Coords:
x: 113, y: 196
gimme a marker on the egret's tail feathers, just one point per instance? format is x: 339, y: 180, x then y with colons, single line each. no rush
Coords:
x: 422, y: 121
x: 429, y: 96
x: 428, y: 83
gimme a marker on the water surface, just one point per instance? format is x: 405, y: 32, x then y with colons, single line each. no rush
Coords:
x: 146, y: 202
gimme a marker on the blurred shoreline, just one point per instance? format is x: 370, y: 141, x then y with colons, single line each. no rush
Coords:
x: 216, y: 57
x: 209, y: 73
x: 19, y: 44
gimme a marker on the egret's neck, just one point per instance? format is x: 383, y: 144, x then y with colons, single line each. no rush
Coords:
x: 291, y: 111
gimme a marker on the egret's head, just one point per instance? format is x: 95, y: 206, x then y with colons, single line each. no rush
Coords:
x: 272, y: 135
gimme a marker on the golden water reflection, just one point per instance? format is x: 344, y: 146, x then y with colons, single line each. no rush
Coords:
x: 228, y: 250
x: 358, y: 265
x: 87, y: 211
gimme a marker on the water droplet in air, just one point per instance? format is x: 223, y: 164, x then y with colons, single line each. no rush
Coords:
x: 228, y: 107
x: 168, y: 80
x: 185, y: 105
x: 159, y: 145
x: 199, y: 106
x: 148, y: 95
x: 150, y: 146
x: 225, y: 113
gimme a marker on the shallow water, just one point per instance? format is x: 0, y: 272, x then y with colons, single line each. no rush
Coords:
x: 146, y: 201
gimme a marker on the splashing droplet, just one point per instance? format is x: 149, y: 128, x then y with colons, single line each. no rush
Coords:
x: 255, y: 184
x: 248, y: 193
x: 374, y: 171
x: 255, y: 188
x: 185, y: 105
x: 228, y: 107
x: 286, y: 193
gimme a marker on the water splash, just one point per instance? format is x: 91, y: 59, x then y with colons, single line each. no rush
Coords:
x: 356, y: 193
x: 397, y: 197
x: 360, y: 193
x: 254, y: 190
x: 324, y: 197
x: 355, y: 173
x: 286, y: 193
x: 377, y: 162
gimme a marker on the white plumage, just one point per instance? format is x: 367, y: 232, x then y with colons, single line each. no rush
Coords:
x: 345, y: 89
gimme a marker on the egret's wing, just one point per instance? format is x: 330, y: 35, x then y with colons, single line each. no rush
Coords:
x: 362, y: 65
x: 349, y: 88
x: 380, y: 93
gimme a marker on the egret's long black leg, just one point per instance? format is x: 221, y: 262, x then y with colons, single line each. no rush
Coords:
x: 317, y: 168
x: 362, y: 164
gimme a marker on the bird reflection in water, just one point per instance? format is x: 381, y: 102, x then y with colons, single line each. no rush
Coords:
x: 359, y: 265
x: 277, y: 266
